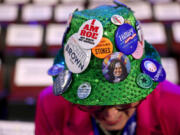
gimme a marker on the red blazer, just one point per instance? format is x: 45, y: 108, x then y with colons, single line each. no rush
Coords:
x: 158, y: 114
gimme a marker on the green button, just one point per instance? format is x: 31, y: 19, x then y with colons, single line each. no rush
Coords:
x: 144, y: 81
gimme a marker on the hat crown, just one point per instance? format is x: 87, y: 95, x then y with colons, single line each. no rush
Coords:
x: 104, y: 92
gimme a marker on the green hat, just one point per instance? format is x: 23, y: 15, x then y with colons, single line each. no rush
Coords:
x: 97, y: 37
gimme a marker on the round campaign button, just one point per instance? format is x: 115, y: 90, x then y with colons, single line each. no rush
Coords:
x: 139, y: 51
x: 126, y: 39
x: 117, y: 19
x: 90, y: 34
x: 104, y: 48
x: 139, y: 31
x: 55, y: 69
x: 62, y: 82
x: 84, y: 90
x: 116, y: 67
x: 153, y: 69
x: 144, y: 81
x: 76, y: 58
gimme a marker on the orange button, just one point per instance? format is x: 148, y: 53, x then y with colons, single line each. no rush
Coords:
x: 104, y: 48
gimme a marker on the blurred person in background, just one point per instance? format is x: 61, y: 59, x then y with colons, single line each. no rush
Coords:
x: 84, y: 99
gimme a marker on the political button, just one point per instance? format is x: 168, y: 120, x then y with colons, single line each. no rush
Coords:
x: 128, y: 22
x: 90, y: 34
x: 153, y: 69
x: 55, y: 69
x: 126, y: 39
x: 144, y: 81
x: 62, y: 82
x: 139, y: 31
x: 76, y: 58
x: 104, y: 48
x: 117, y: 19
x: 84, y: 90
x: 116, y: 67
x: 139, y: 51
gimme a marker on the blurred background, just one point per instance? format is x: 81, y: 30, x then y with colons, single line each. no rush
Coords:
x: 30, y: 36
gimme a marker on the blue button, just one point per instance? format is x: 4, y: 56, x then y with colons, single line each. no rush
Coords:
x: 55, y: 69
x: 153, y: 69
x: 126, y: 39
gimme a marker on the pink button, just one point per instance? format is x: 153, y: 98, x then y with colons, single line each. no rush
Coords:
x: 139, y: 51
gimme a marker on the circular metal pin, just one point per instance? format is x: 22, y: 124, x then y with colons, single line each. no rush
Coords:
x: 84, y: 90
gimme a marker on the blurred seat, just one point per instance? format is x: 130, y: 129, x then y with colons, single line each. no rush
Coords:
x: 8, y: 13
x: 29, y: 78
x: 160, y: 1
x: 155, y: 34
x: 96, y: 3
x: 54, y: 36
x: 24, y: 39
x: 46, y: 2
x: 167, y: 12
x: 16, y: 128
x: 142, y: 10
x: 36, y: 13
x: 62, y: 11
x: 176, y: 37
x: 73, y: 1
x: 171, y: 67
x: 1, y: 79
x: 17, y: 1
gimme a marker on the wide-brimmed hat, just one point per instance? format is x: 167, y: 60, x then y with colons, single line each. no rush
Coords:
x: 104, y: 59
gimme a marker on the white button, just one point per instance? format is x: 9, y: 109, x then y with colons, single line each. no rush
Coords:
x: 24, y: 35
x: 45, y: 2
x: 171, y: 67
x: 176, y: 31
x: 8, y: 12
x: 165, y: 12
x: 17, y: 1
x: 138, y: 7
x: 33, y: 72
x: 154, y: 33
x: 37, y: 12
x: 54, y: 34
x: 76, y: 58
x: 63, y: 11
x: 90, y: 34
